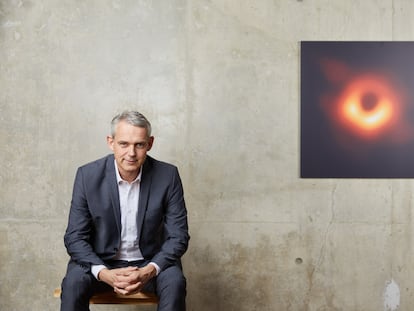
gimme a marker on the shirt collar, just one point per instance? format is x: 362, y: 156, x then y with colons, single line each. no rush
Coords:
x: 119, y: 178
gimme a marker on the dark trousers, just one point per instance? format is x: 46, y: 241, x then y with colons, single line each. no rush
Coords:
x: 79, y: 285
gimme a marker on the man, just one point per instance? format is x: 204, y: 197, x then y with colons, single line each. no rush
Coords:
x: 127, y: 226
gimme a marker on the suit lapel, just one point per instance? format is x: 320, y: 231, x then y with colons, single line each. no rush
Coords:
x: 113, y: 191
x: 144, y: 193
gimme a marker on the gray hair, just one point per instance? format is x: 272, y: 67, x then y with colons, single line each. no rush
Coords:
x: 132, y: 117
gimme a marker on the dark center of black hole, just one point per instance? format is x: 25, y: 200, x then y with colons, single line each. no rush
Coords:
x: 369, y: 101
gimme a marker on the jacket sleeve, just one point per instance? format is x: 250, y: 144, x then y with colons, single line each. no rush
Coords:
x: 176, y: 237
x: 80, y: 228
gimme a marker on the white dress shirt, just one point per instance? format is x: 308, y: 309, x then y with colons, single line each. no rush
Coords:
x: 128, y: 200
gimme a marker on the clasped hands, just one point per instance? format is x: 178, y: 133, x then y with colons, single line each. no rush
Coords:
x: 129, y: 280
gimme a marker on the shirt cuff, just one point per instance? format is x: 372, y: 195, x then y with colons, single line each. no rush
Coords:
x: 156, y: 267
x: 95, y: 269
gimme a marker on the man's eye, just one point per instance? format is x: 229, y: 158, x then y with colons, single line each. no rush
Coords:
x: 123, y: 144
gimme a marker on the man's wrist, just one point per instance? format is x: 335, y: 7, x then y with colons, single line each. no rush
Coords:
x: 96, y: 269
x: 157, y: 268
x: 150, y: 271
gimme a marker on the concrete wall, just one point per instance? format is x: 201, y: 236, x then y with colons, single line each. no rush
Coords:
x: 219, y: 79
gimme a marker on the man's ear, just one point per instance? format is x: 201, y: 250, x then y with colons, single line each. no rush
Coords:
x: 110, y: 142
x: 150, y: 143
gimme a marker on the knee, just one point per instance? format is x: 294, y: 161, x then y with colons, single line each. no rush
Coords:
x: 178, y: 284
x: 77, y: 282
x: 171, y: 289
x: 172, y: 280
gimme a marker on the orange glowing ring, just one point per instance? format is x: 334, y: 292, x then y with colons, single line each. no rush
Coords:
x: 365, y: 119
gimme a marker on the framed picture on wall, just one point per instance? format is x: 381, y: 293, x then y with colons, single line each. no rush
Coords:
x: 357, y: 109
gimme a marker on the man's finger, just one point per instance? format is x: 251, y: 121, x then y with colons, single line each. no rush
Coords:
x: 120, y: 291
x: 133, y: 288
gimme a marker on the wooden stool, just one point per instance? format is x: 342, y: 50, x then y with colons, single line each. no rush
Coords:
x: 114, y: 298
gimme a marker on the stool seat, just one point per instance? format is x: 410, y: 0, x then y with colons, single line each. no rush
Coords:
x: 111, y: 297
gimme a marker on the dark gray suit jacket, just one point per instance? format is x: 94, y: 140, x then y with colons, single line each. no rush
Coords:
x: 94, y: 229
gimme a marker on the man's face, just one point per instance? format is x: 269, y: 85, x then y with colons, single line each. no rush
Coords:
x: 130, y: 146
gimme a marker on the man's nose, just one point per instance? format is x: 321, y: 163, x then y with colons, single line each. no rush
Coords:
x: 131, y: 150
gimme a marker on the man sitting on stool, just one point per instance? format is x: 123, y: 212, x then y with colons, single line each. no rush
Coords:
x: 127, y: 227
